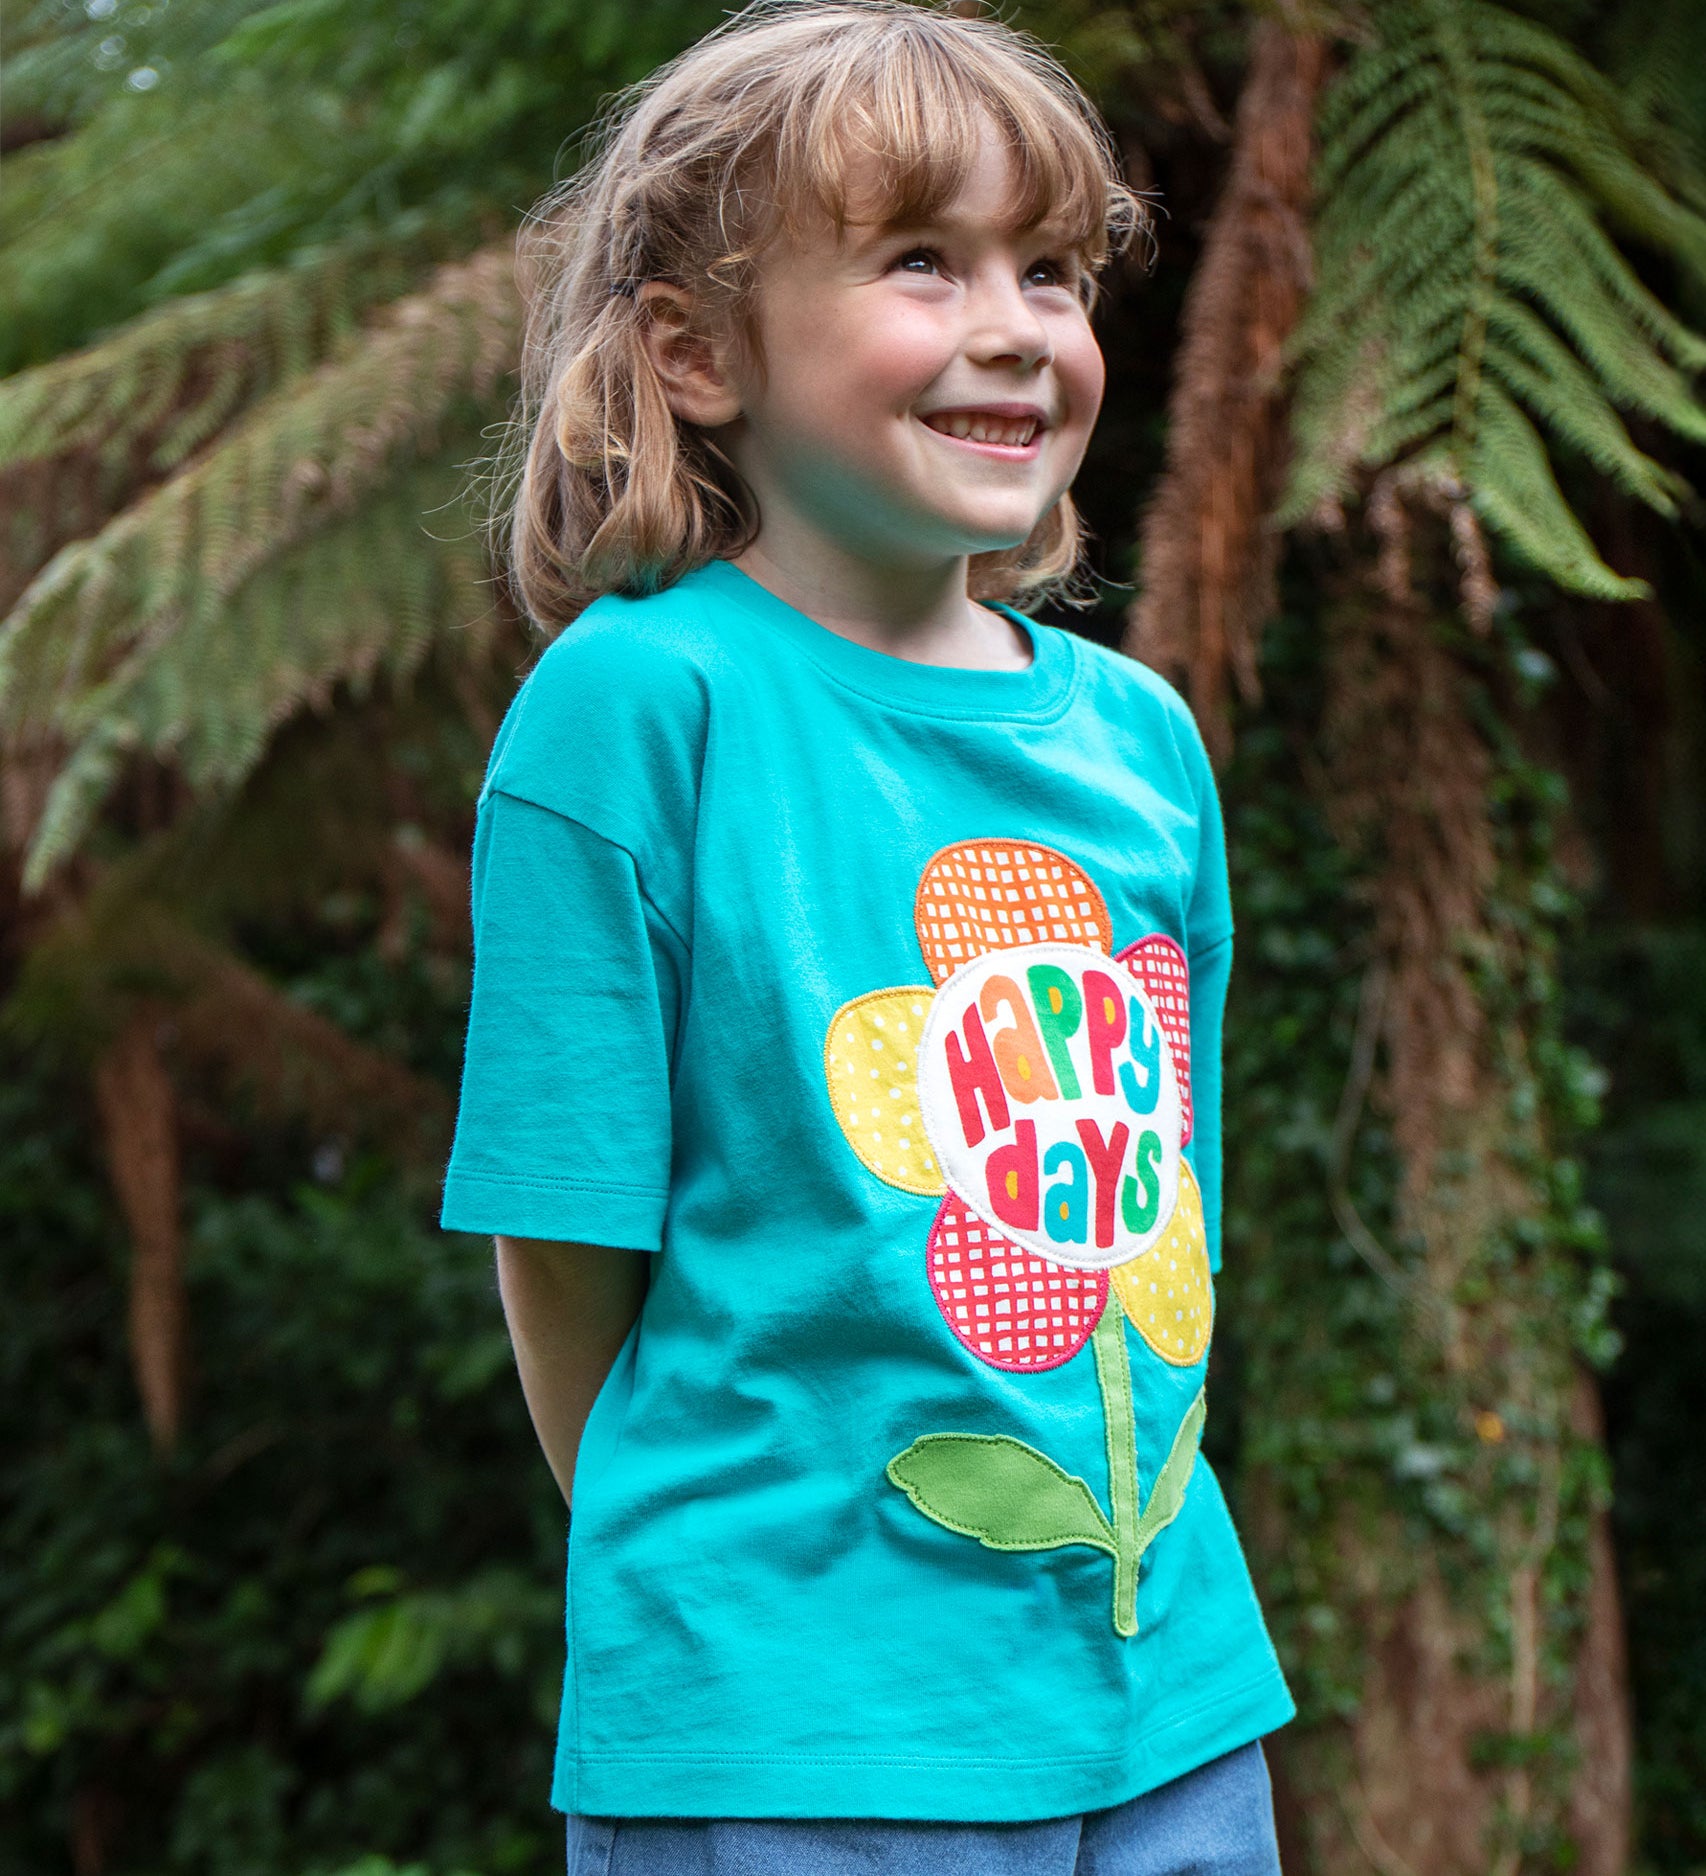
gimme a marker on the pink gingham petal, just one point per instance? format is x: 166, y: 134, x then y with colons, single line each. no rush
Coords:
x: 1010, y: 1307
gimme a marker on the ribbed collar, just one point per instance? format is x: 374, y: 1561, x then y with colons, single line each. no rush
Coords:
x: 1039, y: 692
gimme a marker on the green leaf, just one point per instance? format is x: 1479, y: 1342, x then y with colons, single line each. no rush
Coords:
x: 1167, y: 1497
x: 1002, y: 1492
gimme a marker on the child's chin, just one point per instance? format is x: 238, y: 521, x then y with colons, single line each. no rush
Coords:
x: 988, y: 528
x: 1004, y: 540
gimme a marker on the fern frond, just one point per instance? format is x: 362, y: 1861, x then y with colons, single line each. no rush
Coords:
x: 354, y: 601
x: 159, y: 388
x: 1524, y: 352
x: 1473, y: 313
x: 88, y: 222
x: 1515, y: 491
x: 301, y: 460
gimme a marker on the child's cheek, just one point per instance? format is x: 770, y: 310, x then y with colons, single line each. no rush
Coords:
x: 1082, y: 370
x: 903, y: 352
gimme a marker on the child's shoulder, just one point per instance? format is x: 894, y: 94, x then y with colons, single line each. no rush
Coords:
x: 1125, y: 676
x: 619, y: 701
x: 1135, y: 695
x: 653, y: 648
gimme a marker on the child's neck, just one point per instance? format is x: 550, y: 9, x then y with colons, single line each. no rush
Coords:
x: 922, y: 614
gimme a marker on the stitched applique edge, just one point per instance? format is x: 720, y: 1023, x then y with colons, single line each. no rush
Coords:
x: 928, y: 1181
x: 943, y: 968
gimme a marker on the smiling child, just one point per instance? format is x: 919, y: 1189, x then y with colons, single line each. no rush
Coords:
x: 842, y: 1082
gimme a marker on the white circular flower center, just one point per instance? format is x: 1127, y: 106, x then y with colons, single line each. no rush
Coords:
x: 1049, y: 1092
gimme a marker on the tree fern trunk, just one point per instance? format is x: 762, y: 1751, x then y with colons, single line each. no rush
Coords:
x: 138, y: 1110
x: 1207, y: 560
x: 1489, y: 1731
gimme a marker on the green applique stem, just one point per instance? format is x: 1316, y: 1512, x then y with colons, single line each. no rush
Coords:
x: 1113, y: 1376
x: 1009, y: 1496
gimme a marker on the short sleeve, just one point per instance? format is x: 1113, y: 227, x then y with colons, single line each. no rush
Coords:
x: 610, y: 731
x: 1208, y: 917
x: 563, y: 1131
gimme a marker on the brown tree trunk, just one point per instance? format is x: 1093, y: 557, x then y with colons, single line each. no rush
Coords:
x: 1476, y: 1661
x: 1207, y: 556
x: 138, y: 1110
x: 1413, y: 1803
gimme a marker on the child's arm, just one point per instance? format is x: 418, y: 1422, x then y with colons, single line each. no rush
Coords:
x: 569, y: 1308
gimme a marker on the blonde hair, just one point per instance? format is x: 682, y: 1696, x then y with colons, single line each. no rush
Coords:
x: 750, y: 134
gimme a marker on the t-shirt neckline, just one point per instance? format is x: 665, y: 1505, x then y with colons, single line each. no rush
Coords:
x: 1038, y: 692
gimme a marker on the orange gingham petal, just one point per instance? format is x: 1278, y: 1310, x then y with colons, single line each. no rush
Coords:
x: 1159, y: 965
x: 1168, y: 1293
x: 870, y: 1064
x: 1010, y: 1307
x: 989, y: 895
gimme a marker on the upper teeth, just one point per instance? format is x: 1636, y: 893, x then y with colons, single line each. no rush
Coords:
x: 1014, y: 432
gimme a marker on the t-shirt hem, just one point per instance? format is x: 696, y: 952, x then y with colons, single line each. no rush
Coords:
x: 552, y: 1207
x: 962, y: 1789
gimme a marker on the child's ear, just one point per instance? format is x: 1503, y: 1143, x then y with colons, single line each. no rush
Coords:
x: 691, y: 364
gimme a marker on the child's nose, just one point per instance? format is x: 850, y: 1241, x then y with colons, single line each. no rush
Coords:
x: 1005, y: 328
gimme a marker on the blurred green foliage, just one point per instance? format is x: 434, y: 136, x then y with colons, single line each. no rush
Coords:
x: 330, y: 1625
x: 1640, y: 1004
x: 352, y: 120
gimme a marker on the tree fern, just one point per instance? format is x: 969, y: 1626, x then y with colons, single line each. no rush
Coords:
x: 175, y: 561
x: 159, y: 388
x: 1472, y: 314
x: 227, y: 228
x: 231, y: 1025
x: 97, y: 226
x: 207, y: 691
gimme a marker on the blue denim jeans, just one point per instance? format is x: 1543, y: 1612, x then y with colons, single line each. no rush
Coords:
x: 1215, y: 1821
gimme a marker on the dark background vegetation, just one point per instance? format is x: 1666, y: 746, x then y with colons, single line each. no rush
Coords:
x: 317, y: 1629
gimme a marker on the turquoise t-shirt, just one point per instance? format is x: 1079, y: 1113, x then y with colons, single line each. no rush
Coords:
x: 882, y: 1002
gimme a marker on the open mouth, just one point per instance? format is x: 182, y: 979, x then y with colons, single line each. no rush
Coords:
x: 982, y: 426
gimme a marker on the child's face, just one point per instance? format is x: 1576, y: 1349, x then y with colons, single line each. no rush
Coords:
x: 923, y: 394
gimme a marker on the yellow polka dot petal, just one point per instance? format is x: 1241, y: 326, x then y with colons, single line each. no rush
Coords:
x: 870, y: 1062
x: 1167, y: 1293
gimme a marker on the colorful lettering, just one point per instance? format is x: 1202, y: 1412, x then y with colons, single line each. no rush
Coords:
x: 1012, y: 1174
x: 1018, y: 1050
x: 1142, y: 1094
x: 1105, y: 1157
x: 1139, y: 1212
x: 1060, y: 1009
x: 973, y: 1072
x: 1104, y: 1027
x: 1066, y: 1206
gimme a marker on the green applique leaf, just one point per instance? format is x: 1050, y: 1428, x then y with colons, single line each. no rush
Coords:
x: 1002, y: 1492
x: 1167, y: 1496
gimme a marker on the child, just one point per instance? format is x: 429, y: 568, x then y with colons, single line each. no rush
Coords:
x: 842, y: 1082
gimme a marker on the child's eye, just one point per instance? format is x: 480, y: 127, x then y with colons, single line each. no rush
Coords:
x: 1050, y: 273
x: 918, y: 261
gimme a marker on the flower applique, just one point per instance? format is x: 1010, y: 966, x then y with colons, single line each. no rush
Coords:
x: 1039, y: 1088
